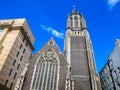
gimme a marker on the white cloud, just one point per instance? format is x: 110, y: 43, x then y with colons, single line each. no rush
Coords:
x: 112, y: 3
x: 53, y: 31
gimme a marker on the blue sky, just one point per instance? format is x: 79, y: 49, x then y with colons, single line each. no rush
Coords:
x: 48, y: 18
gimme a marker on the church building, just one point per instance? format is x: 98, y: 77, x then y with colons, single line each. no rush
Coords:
x: 49, y: 69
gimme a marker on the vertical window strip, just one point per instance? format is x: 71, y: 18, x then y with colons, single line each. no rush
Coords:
x: 17, y: 54
x: 6, y: 82
x: 46, y: 72
x: 50, y: 77
x: 18, y: 66
x: 21, y: 58
x: 23, y: 39
x: 14, y: 62
x: 11, y: 86
x: 51, y: 88
x: 24, y: 50
x: 33, y: 86
x: 76, y: 21
x: 10, y: 72
x: 37, y: 76
x: 20, y: 46
x: 41, y: 81
x: 15, y: 75
x: 26, y: 44
x: 47, y: 76
x: 43, y: 77
x: 41, y: 69
x: 56, y: 74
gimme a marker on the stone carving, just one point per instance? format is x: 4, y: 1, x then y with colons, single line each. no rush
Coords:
x: 20, y: 80
x: 48, y: 55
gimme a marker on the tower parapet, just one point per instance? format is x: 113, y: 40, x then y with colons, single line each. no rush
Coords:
x: 76, y: 21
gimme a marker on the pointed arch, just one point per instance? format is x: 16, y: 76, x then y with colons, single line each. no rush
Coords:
x: 46, y: 71
x: 76, y: 21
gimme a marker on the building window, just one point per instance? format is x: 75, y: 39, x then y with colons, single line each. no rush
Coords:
x: 14, y: 62
x: 75, y: 32
x: 24, y: 51
x: 20, y: 46
x: 23, y: 39
x: 47, y: 68
x: 10, y: 72
x: 6, y: 83
x: 21, y: 58
x: 26, y: 44
x: 119, y: 70
x: 17, y: 54
x: 76, y: 21
x: 81, y: 24
x: 11, y: 86
x: 14, y: 75
x: 18, y: 66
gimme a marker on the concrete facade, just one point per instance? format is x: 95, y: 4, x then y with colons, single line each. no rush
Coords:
x: 110, y: 74
x: 16, y: 45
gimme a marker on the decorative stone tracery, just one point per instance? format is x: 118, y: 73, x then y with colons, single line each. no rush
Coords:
x: 46, y: 72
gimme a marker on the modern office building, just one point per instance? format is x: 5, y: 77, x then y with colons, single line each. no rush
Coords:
x: 76, y: 70
x: 16, y: 45
x: 110, y: 74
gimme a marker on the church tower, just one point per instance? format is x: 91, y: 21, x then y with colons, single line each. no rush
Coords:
x: 50, y: 70
x: 79, y: 54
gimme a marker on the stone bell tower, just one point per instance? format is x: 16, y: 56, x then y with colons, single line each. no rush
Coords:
x: 79, y: 54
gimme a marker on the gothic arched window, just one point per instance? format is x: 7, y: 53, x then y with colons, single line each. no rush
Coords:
x: 76, y: 21
x: 46, y: 72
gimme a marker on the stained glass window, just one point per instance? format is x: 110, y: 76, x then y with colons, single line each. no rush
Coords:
x: 46, y: 73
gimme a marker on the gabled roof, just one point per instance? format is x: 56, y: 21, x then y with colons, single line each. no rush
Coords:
x: 50, y: 44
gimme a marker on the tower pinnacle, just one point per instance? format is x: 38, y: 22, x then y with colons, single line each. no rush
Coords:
x: 74, y: 10
x: 76, y: 21
x: 74, y: 7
